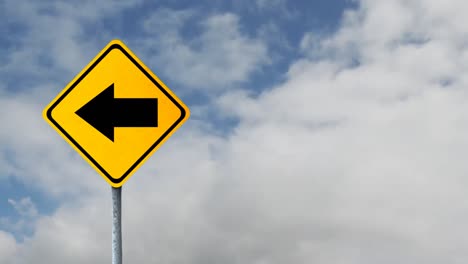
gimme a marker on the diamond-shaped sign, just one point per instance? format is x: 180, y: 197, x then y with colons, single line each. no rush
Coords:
x: 116, y: 113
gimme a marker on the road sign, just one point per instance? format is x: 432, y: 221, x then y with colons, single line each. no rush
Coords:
x: 116, y: 113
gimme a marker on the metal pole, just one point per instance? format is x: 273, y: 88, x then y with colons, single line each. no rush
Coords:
x: 116, y: 225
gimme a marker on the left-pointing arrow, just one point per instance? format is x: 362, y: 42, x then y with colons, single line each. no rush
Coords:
x: 104, y: 112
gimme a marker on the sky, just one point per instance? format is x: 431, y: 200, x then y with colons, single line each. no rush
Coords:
x: 320, y: 132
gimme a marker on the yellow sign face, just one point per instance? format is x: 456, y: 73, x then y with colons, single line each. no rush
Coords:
x: 116, y: 113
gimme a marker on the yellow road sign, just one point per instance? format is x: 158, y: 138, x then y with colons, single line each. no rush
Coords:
x: 116, y: 113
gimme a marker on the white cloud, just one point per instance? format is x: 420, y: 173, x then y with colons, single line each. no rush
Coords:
x: 35, y: 153
x: 27, y: 213
x: 387, y: 171
x: 220, y: 55
x: 25, y: 207
x: 8, y: 248
x: 80, y: 234
x: 52, y: 37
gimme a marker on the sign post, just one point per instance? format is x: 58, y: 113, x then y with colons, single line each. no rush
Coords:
x: 116, y: 225
x: 116, y: 113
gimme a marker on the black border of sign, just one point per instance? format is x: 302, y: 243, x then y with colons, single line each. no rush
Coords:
x: 182, y: 116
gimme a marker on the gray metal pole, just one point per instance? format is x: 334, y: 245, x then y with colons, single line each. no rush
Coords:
x: 116, y: 225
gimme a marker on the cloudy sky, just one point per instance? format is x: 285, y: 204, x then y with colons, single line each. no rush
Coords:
x: 321, y: 131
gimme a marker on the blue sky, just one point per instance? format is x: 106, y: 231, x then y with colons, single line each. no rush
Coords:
x: 320, y: 132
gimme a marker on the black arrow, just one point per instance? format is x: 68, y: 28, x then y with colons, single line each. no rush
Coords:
x: 104, y: 112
